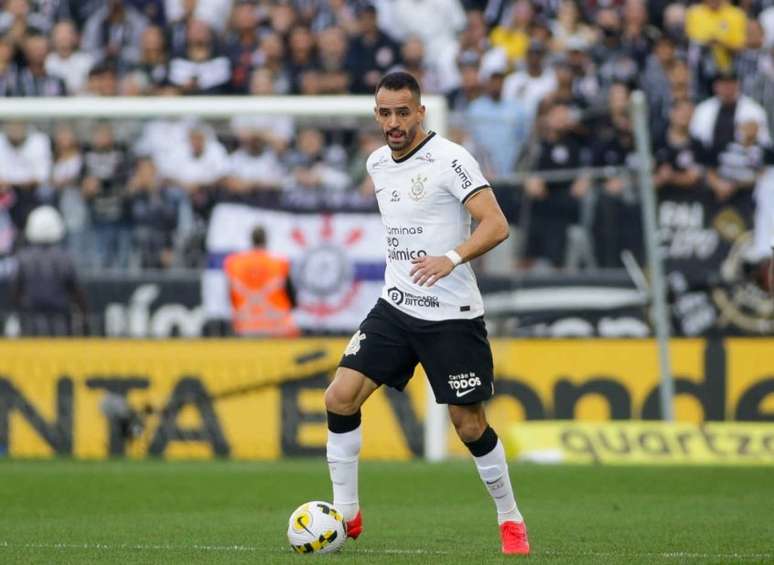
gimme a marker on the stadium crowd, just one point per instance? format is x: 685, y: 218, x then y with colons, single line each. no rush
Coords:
x: 533, y: 85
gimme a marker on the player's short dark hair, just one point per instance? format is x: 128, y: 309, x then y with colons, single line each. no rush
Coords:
x: 258, y: 236
x: 398, y: 81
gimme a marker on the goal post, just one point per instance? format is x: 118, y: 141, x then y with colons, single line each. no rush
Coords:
x: 221, y: 107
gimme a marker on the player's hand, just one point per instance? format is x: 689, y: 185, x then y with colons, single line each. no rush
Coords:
x: 429, y: 269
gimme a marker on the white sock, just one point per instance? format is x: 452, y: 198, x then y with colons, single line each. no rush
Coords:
x: 343, y: 451
x: 493, y: 470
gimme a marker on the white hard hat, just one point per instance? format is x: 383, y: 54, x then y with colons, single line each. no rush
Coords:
x: 44, y: 225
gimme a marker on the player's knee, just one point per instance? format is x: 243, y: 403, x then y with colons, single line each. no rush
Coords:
x: 469, y: 424
x: 338, y: 401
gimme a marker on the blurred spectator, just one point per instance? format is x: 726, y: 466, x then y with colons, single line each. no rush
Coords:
x: 513, y: 37
x: 431, y: 79
x: 370, y: 53
x: 283, y: 18
x: 716, y: 30
x: 261, y: 292
x: 533, y: 83
x: 612, y: 56
x: 367, y: 143
x: 254, y: 166
x: 617, y: 220
x: 655, y: 84
x: 197, y: 167
x: 436, y: 23
x: 715, y: 120
x: 25, y: 169
x: 585, y: 82
x: 276, y: 130
x: 315, y: 167
x: 680, y: 85
x: 270, y: 57
x: 201, y: 69
x: 469, y: 90
x: 677, y: 155
x: 674, y: 23
x: 569, y: 28
x: 33, y: 80
x: 153, y: 10
x: 106, y: 171
x: 241, y: 43
x: 153, y: 66
x: 16, y: 22
x: 153, y: 211
x: 302, y: 56
x: 760, y: 87
x: 555, y: 204
x: 333, y: 77
x: 636, y: 35
x: 66, y: 180
x: 214, y: 12
x: 565, y: 94
x: 766, y: 19
x: 114, y: 33
x: 498, y: 126
x: 733, y: 169
x: 66, y: 61
x: 749, y: 60
x: 474, y: 39
x: 45, y: 287
x: 102, y: 81
x: 334, y: 13
x: 9, y: 72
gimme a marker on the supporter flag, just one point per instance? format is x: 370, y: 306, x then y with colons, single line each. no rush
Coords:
x: 337, y: 261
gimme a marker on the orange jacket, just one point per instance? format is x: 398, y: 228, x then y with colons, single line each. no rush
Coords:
x: 260, y: 303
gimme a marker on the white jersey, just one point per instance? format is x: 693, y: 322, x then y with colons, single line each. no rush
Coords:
x: 421, y: 198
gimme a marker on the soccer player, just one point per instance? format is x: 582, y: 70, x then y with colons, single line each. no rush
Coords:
x: 430, y: 310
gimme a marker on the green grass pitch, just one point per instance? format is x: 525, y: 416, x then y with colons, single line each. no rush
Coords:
x: 236, y: 512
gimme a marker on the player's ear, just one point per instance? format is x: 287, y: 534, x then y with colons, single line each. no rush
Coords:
x: 376, y: 113
x: 421, y: 110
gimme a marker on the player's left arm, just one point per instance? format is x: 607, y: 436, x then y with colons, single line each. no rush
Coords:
x: 491, y: 230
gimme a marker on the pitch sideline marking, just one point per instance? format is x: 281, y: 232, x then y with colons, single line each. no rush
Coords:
x: 168, y: 547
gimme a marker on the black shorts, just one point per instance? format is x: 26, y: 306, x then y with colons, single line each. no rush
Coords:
x: 454, y: 353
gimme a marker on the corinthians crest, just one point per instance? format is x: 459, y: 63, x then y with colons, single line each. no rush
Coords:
x: 417, y: 190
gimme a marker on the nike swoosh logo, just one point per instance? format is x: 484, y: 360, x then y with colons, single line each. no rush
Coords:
x: 461, y: 394
x: 378, y: 190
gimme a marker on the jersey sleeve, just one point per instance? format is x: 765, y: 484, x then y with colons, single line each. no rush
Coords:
x: 465, y: 176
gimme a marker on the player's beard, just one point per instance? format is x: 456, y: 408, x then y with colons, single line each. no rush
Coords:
x: 402, y: 143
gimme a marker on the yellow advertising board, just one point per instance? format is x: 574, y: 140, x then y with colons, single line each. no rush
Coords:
x: 264, y: 399
x: 642, y: 443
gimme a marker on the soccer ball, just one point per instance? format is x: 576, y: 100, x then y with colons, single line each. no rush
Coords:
x: 316, y: 527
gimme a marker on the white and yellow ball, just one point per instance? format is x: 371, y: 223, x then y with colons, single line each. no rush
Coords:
x: 316, y: 527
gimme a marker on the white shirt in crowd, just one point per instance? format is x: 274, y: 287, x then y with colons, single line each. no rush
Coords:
x: 214, y: 12
x: 436, y: 22
x: 30, y: 162
x: 280, y: 127
x: 265, y: 167
x: 528, y: 89
x: 184, y: 167
x: 421, y: 199
x: 208, y: 74
x: 702, y: 125
x: 73, y: 70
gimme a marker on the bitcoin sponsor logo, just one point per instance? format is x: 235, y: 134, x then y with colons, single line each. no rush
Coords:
x: 463, y: 174
x: 399, y: 297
